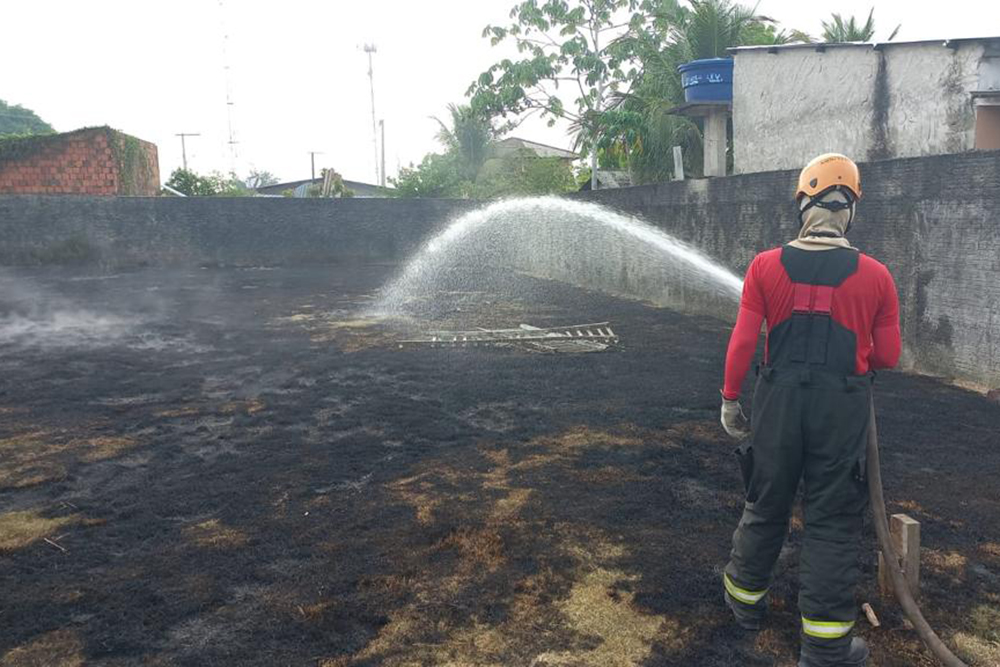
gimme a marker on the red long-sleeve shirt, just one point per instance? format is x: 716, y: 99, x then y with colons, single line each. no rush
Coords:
x: 865, y: 303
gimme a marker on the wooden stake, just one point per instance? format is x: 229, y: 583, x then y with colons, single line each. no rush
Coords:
x: 905, y: 533
x: 870, y: 613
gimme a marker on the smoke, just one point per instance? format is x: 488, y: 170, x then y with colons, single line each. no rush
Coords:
x: 32, y: 315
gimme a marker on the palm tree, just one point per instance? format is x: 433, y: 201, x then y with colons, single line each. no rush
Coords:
x: 639, y: 124
x: 715, y: 26
x: 468, y: 138
x: 837, y: 30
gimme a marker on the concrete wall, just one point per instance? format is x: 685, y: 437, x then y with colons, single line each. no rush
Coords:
x: 129, y: 232
x: 92, y: 161
x: 935, y: 222
x: 900, y: 100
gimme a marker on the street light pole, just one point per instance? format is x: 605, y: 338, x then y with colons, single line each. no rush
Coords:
x: 370, y: 49
x: 184, y: 155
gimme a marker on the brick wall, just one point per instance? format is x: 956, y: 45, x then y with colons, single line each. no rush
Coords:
x: 92, y: 161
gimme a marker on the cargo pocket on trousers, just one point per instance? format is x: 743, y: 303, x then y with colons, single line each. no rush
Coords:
x: 744, y: 455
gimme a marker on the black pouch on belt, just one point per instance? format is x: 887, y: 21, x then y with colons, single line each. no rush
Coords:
x: 744, y: 454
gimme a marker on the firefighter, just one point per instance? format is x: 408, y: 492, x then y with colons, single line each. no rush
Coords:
x: 832, y: 317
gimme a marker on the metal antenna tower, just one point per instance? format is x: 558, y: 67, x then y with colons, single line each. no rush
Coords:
x: 370, y: 50
x: 229, y: 89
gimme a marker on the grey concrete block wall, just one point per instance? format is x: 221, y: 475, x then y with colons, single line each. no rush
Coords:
x: 154, y: 231
x: 934, y: 221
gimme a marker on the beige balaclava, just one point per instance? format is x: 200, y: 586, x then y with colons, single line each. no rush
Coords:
x: 823, y: 229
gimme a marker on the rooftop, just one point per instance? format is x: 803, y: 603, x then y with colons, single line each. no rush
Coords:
x: 541, y: 150
x: 823, y: 46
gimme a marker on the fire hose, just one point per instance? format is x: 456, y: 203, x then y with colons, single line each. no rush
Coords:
x: 899, y: 585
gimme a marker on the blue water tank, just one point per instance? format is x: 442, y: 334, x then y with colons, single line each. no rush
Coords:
x: 709, y: 80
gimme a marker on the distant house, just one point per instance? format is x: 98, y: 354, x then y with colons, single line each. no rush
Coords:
x: 608, y: 179
x: 300, y: 188
x: 514, y: 146
x: 869, y: 101
x: 90, y: 161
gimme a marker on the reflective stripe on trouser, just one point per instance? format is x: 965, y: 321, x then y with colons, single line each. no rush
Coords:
x: 741, y: 594
x: 812, y: 427
x: 826, y: 629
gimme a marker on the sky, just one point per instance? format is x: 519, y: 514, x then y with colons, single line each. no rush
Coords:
x: 298, y: 76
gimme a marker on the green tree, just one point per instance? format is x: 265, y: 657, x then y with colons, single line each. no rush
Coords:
x: 215, y: 184
x: 837, y: 30
x: 191, y: 184
x: 524, y: 174
x: 15, y: 119
x: 258, y: 178
x: 468, y: 138
x: 436, y: 176
x: 562, y: 44
x: 229, y: 185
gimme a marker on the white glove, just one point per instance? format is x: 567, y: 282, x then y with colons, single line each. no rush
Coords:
x: 733, y: 419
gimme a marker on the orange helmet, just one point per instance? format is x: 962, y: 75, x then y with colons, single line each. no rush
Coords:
x: 827, y: 172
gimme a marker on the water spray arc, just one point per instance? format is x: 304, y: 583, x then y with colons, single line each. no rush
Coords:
x: 570, y: 241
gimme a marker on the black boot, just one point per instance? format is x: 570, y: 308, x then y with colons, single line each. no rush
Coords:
x: 854, y: 654
x: 748, y: 617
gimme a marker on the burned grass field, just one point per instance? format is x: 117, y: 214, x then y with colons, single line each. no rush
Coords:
x: 240, y: 468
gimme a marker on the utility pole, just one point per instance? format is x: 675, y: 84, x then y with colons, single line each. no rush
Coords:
x: 312, y: 162
x: 370, y: 50
x: 381, y: 125
x: 184, y: 155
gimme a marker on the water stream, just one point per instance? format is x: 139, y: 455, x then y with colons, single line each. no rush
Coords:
x: 582, y: 243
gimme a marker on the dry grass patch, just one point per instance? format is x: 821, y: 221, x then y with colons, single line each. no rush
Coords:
x: 419, y: 493
x: 249, y: 407
x: 350, y: 335
x: 609, y: 475
x: 948, y: 563
x: 101, y: 449
x: 582, y: 437
x: 986, y: 622
x: 28, y: 459
x: 189, y: 411
x: 213, y: 534
x: 977, y: 652
x: 506, y: 509
x: 595, y: 609
x: 480, y: 549
x: 37, y: 457
x: 20, y: 529
x: 990, y: 552
x: 61, y: 648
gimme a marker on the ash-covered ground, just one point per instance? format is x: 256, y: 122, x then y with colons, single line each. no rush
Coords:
x: 239, y: 467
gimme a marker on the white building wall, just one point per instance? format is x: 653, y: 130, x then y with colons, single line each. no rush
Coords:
x: 900, y: 100
x: 930, y: 106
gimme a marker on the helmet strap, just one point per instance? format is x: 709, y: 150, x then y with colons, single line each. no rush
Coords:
x: 831, y: 205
